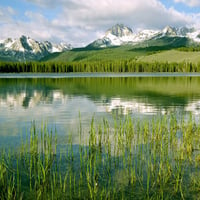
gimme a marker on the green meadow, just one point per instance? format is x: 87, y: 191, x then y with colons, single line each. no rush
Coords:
x: 172, y: 56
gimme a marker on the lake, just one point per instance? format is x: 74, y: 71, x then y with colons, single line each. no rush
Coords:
x: 118, y: 136
x: 63, y: 100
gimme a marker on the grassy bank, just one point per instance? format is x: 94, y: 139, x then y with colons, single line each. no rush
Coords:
x: 156, y: 159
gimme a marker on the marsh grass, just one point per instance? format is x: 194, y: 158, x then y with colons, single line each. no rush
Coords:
x: 152, y: 159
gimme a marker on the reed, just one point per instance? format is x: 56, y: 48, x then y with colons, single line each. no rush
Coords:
x: 154, y: 159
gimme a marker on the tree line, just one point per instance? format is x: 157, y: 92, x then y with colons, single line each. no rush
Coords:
x: 116, y: 66
x: 190, y: 49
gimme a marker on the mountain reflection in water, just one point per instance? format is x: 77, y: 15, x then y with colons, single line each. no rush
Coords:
x: 60, y: 100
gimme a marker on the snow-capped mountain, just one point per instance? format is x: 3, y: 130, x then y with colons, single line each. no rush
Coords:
x: 120, y: 30
x: 121, y: 35
x: 25, y: 48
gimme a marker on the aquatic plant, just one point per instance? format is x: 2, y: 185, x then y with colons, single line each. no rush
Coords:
x: 132, y: 159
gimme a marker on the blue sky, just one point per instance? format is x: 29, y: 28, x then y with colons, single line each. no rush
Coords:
x: 183, y: 6
x: 81, y: 21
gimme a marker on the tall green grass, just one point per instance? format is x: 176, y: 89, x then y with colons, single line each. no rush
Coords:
x: 132, y: 159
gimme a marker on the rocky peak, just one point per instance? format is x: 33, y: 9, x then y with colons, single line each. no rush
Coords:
x: 120, y: 30
x: 169, y: 31
x: 26, y: 48
x: 25, y: 44
x: 8, y: 40
x: 123, y: 35
x: 183, y: 31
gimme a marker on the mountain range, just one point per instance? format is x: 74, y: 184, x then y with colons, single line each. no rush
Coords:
x: 27, y: 49
x: 122, y: 35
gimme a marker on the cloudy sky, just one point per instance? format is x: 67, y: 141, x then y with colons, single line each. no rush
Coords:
x: 79, y: 22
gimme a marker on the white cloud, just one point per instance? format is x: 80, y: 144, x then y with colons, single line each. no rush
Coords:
x: 40, y: 28
x: 191, y: 3
x: 93, y: 14
x: 100, y: 15
x: 80, y: 22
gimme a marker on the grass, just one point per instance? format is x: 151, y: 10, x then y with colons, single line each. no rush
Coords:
x: 156, y: 159
x: 104, y: 54
x: 172, y: 56
x: 126, y: 52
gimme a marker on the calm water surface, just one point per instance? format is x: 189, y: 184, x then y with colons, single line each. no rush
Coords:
x: 58, y: 100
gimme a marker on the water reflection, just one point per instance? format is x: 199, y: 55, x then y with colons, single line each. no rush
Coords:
x: 133, y: 106
x: 59, y: 100
x: 56, y: 100
x: 193, y: 107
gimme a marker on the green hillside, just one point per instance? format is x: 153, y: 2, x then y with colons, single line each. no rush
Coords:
x: 104, y: 54
x: 172, y: 56
x: 166, y: 54
x: 8, y: 58
x: 165, y: 43
x: 125, y: 52
x: 148, y: 50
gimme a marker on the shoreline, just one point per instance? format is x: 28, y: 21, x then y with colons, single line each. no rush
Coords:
x: 98, y: 75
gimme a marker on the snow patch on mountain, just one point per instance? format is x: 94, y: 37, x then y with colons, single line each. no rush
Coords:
x: 195, y: 36
x: 169, y: 31
x: 121, y: 35
x: 145, y: 35
x: 119, y: 30
x: 26, y: 48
